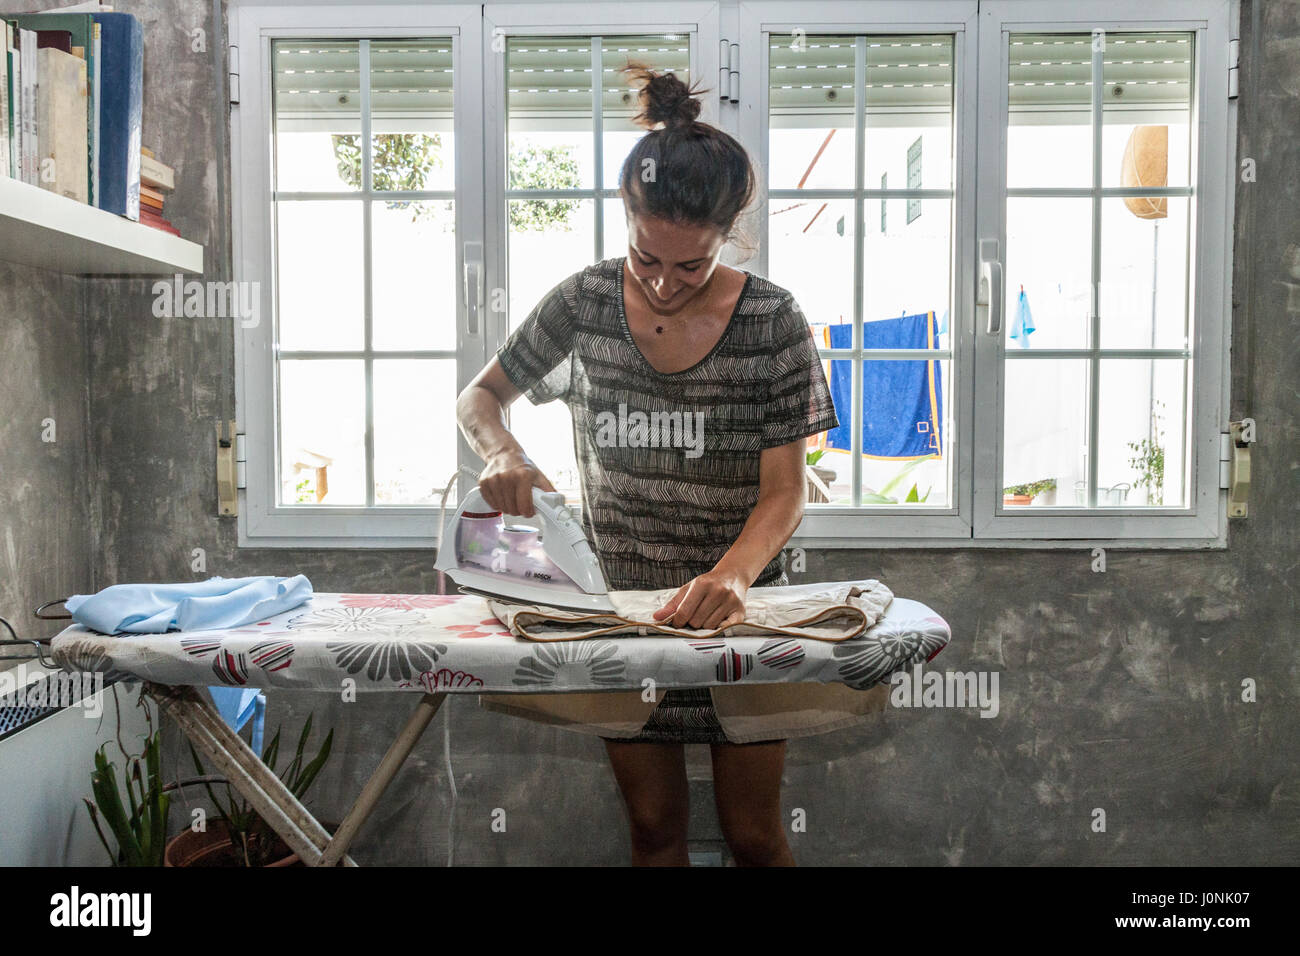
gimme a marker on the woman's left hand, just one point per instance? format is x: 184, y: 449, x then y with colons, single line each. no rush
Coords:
x: 713, y: 600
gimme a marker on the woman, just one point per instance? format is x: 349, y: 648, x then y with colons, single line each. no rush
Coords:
x: 670, y: 329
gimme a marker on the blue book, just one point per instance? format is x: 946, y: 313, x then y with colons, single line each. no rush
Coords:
x: 121, y: 80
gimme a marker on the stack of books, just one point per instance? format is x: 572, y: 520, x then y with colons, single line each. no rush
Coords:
x: 71, y: 94
x: 155, y: 179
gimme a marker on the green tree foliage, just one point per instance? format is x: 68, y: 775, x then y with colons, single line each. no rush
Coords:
x: 403, y: 161
x: 542, y: 167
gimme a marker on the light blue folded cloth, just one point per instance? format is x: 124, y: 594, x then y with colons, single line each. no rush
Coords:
x: 194, y: 606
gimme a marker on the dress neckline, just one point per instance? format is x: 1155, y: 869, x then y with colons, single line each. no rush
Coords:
x: 627, y: 329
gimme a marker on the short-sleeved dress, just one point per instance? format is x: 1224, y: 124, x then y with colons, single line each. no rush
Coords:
x: 669, y: 462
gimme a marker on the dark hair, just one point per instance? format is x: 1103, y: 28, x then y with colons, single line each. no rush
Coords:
x: 683, y: 170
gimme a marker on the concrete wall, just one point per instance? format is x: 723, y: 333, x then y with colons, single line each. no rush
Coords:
x: 46, y: 535
x: 1118, y: 690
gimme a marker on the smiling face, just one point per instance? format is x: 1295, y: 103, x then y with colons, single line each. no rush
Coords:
x: 671, y: 263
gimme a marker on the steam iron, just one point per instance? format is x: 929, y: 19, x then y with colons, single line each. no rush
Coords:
x: 547, y: 561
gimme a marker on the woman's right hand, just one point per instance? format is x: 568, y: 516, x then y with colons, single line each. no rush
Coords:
x: 507, y: 483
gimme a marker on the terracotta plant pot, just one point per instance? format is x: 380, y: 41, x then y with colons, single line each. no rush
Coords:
x: 1017, y: 499
x: 214, y: 848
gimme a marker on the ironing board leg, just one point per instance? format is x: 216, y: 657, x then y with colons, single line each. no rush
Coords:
x: 272, y: 800
x: 382, y: 777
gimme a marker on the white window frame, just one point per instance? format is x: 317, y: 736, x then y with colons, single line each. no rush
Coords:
x: 975, y: 518
x: 1203, y: 522
x: 978, y: 518
x: 698, y: 18
x: 263, y: 522
x: 878, y: 525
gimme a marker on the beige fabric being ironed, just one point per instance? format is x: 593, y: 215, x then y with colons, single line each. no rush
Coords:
x: 820, y: 612
x: 747, y: 712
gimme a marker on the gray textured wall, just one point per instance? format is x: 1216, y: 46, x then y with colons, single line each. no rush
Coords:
x: 46, y: 542
x: 1118, y: 690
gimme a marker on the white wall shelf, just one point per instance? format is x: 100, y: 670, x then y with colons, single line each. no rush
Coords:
x: 43, y: 229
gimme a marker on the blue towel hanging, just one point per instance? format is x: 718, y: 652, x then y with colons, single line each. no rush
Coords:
x: 1023, y: 323
x: 902, y: 400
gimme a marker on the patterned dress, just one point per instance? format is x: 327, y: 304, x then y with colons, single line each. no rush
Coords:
x: 669, y: 462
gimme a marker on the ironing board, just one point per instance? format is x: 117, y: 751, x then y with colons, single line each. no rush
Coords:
x: 434, y: 645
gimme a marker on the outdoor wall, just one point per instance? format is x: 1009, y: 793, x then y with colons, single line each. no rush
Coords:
x: 1119, y: 690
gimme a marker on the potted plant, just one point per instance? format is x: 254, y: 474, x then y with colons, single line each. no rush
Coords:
x: 139, y: 826
x: 241, y: 837
x: 886, y: 496
x: 1026, y: 493
x: 1149, y: 460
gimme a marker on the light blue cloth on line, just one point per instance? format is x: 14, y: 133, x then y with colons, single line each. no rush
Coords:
x: 193, y: 606
x: 1023, y: 323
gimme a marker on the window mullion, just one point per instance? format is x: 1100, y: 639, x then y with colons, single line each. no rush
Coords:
x: 859, y: 256
x: 366, y: 291
x: 1094, y: 343
x: 598, y: 146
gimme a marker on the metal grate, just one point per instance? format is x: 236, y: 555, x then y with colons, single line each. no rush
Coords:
x: 16, y: 715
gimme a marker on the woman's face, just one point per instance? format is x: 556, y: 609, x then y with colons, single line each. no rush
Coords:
x: 670, y: 262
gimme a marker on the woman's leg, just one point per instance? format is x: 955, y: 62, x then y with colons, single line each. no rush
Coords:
x: 747, y: 788
x: 652, y: 778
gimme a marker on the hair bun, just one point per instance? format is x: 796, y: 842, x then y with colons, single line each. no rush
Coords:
x: 663, y: 98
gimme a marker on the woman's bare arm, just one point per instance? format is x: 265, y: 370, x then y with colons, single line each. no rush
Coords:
x: 508, y: 475
x: 782, y: 492
x: 717, y: 597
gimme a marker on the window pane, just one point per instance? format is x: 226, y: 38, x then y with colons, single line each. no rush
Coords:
x: 908, y: 263
x: 1047, y: 298
x: 1045, y: 432
x: 810, y: 243
x: 810, y: 99
x: 411, y: 114
x: 1144, y: 273
x: 670, y: 52
x: 905, y: 427
x: 546, y: 434
x: 1141, y: 459
x: 1049, y: 102
x: 549, y: 126
x: 833, y: 468
x: 615, y: 224
x: 322, y: 432
x: 317, y: 92
x: 319, y: 249
x: 1146, y: 109
x: 550, y: 239
x: 909, y: 112
x: 415, y: 429
x: 413, y: 286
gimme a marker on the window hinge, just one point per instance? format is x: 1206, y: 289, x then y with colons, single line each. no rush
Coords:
x: 230, y: 467
x: 234, y: 74
x: 1234, y: 465
x: 1234, y: 59
x: 728, y: 72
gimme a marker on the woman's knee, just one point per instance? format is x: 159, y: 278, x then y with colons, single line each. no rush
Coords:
x: 656, y: 822
x: 755, y: 839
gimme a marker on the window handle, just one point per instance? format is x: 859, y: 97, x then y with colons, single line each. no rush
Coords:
x: 473, y: 286
x: 989, y: 295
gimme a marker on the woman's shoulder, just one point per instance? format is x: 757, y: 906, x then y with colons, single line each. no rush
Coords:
x: 599, y: 282
x: 765, y: 298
